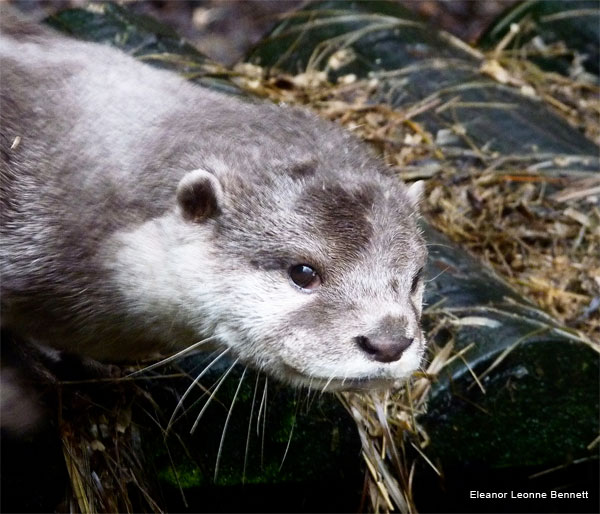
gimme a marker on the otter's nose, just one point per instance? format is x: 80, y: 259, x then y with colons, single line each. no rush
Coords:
x: 384, y: 348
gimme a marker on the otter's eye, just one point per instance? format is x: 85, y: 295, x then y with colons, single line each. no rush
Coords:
x: 416, y: 280
x: 305, y: 277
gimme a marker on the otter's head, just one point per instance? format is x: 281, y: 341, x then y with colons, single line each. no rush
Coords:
x: 315, y: 277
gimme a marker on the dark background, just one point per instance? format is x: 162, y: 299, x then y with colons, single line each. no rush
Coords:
x: 225, y: 30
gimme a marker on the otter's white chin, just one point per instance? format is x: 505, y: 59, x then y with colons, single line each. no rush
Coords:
x: 360, y: 375
x: 335, y: 384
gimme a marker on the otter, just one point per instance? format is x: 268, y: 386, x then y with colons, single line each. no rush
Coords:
x: 142, y: 214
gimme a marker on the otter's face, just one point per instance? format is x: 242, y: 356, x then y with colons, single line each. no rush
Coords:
x: 357, y: 327
x: 318, y: 283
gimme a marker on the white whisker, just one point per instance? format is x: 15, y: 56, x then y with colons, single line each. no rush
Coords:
x: 438, y: 275
x: 212, y: 395
x: 263, y: 409
x: 250, y: 428
x: 226, y: 424
x: 171, y: 357
x: 192, y: 385
x: 260, y: 408
x: 311, y: 401
x: 327, y: 384
x: 291, y: 432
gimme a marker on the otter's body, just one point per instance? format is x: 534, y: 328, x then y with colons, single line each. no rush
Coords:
x: 141, y: 213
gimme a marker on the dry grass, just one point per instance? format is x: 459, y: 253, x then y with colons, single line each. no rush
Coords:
x: 546, y: 245
x: 102, y: 445
x: 540, y: 232
x: 391, y: 434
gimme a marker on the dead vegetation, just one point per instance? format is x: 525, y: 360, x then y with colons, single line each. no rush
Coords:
x: 540, y: 231
x: 536, y: 227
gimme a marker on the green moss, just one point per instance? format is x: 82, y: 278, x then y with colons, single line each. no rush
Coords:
x: 185, y: 476
x: 540, y: 408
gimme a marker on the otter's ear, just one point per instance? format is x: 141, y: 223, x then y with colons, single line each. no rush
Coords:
x: 199, y: 195
x: 415, y: 193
